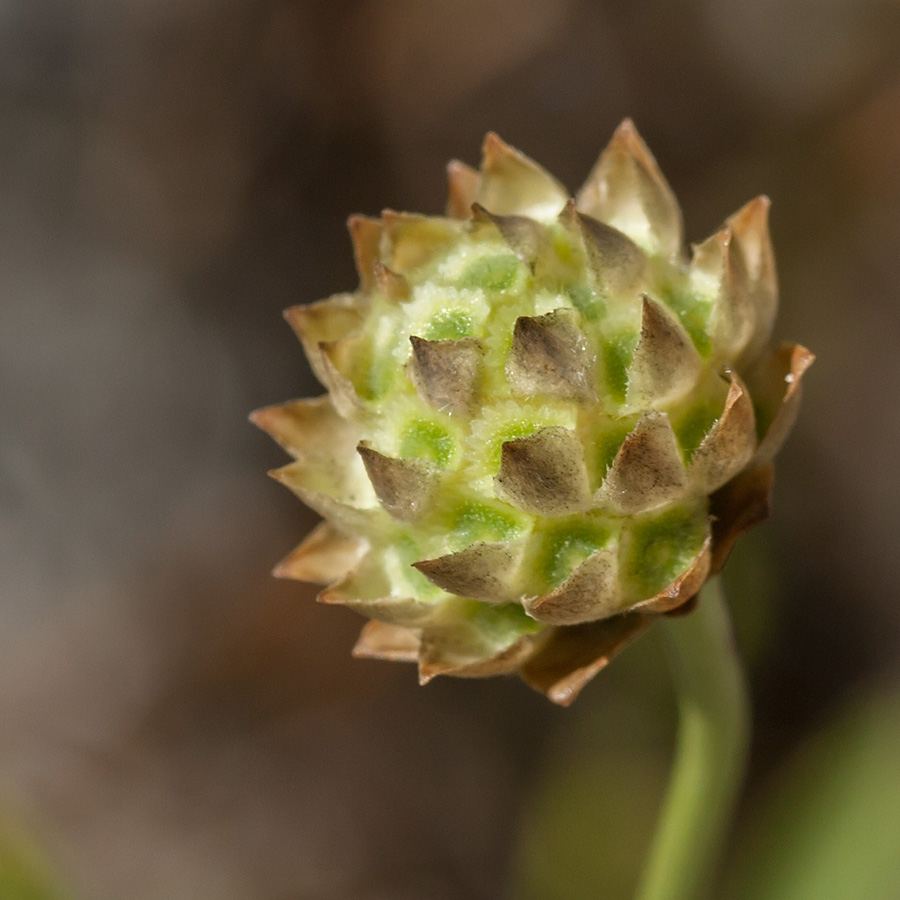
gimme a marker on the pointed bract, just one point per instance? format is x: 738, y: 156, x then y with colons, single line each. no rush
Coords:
x: 616, y: 265
x: 526, y: 238
x: 627, y: 190
x: 684, y: 588
x: 570, y: 657
x: 717, y: 270
x: 411, y: 240
x: 306, y: 429
x: 346, y: 518
x: 324, y: 475
x: 395, y: 643
x: 391, y: 286
x: 750, y: 227
x: 647, y: 471
x: 289, y: 424
x: 335, y: 358
x: 549, y: 356
x: 445, y: 373
x: 459, y: 649
x: 481, y: 571
x: 367, y: 590
x: 590, y: 593
x: 462, y: 187
x: 544, y: 474
x: 365, y: 233
x: 323, y: 322
x: 403, y: 486
x: 730, y: 443
x: 665, y: 365
x: 325, y: 556
x: 777, y: 385
x: 513, y: 184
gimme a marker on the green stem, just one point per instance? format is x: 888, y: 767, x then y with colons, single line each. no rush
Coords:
x: 710, y: 753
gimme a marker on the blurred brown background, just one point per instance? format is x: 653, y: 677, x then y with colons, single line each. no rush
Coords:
x: 173, y: 173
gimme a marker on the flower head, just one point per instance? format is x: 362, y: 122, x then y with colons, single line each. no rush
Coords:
x: 545, y: 424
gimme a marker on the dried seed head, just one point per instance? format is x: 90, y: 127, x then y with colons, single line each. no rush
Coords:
x: 544, y: 426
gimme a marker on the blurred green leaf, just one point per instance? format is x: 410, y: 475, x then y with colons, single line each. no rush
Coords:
x: 589, y: 832
x: 586, y: 828
x: 830, y: 827
x: 24, y: 874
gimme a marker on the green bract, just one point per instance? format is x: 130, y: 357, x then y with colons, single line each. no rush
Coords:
x: 544, y: 424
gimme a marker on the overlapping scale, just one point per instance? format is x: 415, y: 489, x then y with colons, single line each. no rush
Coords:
x: 777, y: 386
x: 472, y: 640
x: 403, y: 486
x: 513, y: 184
x: 615, y: 264
x: 380, y: 640
x: 365, y: 234
x: 462, y: 187
x: 323, y: 557
x: 570, y: 657
x: 325, y: 322
x: 445, y: 372
x: 483, y: 571
x: 627, y: 190
x: 410, y: 240
x: 718, y: 270
x: 591, y: 592
x: 750, y: 229
x: 336, y: 361
x: 526, y: 237
x: 544, y: 473
x: 550, y: 356
x: 391, y: 285
x: 665, y: 366
x: 647, y: 471
x: 730, y: 443
x: 367, y: 589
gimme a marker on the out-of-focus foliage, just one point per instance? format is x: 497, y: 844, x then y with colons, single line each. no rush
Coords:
x: 24, y: 874
x: 587, y: 823
x: 828, y: 826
